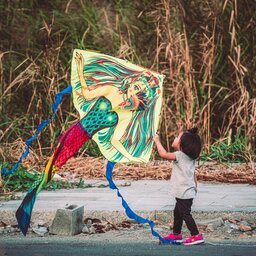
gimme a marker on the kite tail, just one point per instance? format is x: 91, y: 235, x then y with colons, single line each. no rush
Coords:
x: 58, y: 99
x: 23, y: 214
x: 129, y: 212
x: 70, y: 142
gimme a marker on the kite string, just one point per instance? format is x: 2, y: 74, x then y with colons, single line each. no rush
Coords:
x: 128, y: 210
x: 55, y: 105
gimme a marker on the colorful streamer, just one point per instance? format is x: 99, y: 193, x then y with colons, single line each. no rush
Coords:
x: 55, y: 105
x: 129, y: 212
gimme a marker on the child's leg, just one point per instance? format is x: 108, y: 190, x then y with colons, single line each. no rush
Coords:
x: 69, y: 144
x: 184, y: 206
x: 178, y: 221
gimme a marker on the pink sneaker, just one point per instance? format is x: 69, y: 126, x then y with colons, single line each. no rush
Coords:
x: 172, y: 237
x: 198, y: 239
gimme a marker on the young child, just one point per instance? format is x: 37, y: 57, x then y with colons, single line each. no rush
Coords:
x: 183, y: 182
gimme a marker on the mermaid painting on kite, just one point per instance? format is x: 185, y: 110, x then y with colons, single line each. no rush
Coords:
x: 120, y: 99
x: 119, y: 105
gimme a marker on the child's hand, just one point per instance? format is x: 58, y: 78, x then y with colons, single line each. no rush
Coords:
x: 156, y: 138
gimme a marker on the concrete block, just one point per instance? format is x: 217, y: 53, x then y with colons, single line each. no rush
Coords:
x: 68, y: 221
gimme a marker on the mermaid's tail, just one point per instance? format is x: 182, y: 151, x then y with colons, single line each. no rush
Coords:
x: 23, y: 214
x: 69, y: 144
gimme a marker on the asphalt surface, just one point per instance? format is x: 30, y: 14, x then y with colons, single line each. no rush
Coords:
x: 71, y: 246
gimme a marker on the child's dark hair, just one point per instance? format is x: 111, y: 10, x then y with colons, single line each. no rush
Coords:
x: 190, y: 143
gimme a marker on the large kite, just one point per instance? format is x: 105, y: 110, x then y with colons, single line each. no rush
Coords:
x: 119, y: 106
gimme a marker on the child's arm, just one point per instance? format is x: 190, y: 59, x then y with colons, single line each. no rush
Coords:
x: 161, y: 150
x: 195, y: 180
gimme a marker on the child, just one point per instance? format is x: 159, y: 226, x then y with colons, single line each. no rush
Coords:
x: 183, y: 182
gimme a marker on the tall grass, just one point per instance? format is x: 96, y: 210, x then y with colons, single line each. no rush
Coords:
x: 208, y: 58
x: 205, y: 49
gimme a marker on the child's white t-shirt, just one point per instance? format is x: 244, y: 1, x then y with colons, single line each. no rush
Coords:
x: 182, y: 179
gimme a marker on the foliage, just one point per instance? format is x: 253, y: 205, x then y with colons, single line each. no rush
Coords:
x: 228, y: 151
x: 22, y: 180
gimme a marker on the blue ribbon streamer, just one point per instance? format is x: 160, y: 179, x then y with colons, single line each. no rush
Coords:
x: 131, y: 214
x: 55, y: 105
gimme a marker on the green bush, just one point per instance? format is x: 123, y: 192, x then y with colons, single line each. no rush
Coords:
x: 22, y: 180
x: 223, y: 151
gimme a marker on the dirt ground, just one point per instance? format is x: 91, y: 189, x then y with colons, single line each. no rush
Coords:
x: 87, y: 167
x: 129, y: 230
x: 94, y: 168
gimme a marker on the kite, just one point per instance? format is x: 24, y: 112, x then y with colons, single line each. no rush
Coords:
x: 119, y: 106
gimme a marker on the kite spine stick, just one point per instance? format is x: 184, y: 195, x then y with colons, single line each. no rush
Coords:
x: 55, y: 105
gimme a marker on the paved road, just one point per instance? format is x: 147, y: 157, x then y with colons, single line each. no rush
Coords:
x: 145, y: 195
x: 67, y: 246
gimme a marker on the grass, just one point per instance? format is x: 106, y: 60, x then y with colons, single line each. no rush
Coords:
x: 228, y: 151
x: 22, y: 180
